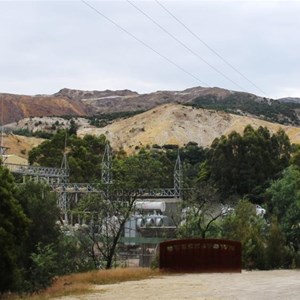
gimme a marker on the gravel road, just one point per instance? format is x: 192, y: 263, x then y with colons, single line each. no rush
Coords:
x: 258, y: 285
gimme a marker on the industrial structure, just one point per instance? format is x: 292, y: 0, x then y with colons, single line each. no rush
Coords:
x: 155, y: 211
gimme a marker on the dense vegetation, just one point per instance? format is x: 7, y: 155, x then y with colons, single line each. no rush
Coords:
x: 239, y: 103
x: 29, y: 133
x: 101, y: 120
x: 244, y: 164
x: 235, y: 172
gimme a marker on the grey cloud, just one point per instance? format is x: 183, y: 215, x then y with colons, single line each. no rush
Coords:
x: 49, y: 45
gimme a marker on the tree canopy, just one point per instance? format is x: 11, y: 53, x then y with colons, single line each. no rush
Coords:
x: 13, y: 231
x: 245, y: 164
x: 284, y: 202
x: 252, y: 166
x: 84, y: 155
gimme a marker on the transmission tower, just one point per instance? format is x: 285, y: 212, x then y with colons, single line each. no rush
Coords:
x: 63, y: 200
x: 106, y: 165
x: 178, y: 177
x: 64, y: 163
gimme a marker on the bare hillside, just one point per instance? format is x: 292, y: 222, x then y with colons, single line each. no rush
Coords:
x: 74, y: 102
x: 46, y: 124
x: 17, y: 107
x: 19, y: 146
x: 177, y: 124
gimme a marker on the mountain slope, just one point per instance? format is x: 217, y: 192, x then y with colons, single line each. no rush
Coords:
x: 17, y: 107
x: 18, y: 147
x: 178, y: 124
x: 89, y: 103
x: 284, y: 112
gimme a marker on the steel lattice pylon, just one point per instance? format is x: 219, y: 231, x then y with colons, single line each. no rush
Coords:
x: 106, y: 165
x: 63, y: 200
x: 178, y: 177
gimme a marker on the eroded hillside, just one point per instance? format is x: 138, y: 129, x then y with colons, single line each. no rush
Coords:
x: 72, y: 102
x: 18, y: 147
x: 17, y: 107
x: 178, y: 124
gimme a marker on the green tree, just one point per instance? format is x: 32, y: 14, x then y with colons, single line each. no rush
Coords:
x: 276, y: 250
x: 40, y: 206
x: 295, y: 156
x: 73, y: 128
x: 191, y: 155
x: 85, y: 158
x: 84, y: 155
x: 42, y: 269
x: 71, y: 252
x: 105, y: 217
x: 245, y: 226
x: 142, y: 171
x: 284, y: 203
x: 201, y: 212
x: 50, y: 152
x: 245, y: 164
x: 13, y: 230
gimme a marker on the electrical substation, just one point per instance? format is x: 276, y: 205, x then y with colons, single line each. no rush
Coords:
x: 154, y: 218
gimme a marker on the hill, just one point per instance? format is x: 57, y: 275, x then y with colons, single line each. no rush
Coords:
x: 18, y: 147
x: 17, y: 107
x: 114, y: 104
x: 283, y: 111
x: 178, y: 124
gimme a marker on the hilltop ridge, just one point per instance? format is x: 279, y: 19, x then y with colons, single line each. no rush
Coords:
x: 74, y: 102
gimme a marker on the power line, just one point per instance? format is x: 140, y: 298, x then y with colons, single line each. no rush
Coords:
x: 143, y: 43
x: 185, y: 46
x: 209, y: 47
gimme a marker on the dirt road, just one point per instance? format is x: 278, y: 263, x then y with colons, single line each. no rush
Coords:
x: 257, y: 285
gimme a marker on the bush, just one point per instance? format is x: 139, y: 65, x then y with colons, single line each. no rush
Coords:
x: 43, y: 269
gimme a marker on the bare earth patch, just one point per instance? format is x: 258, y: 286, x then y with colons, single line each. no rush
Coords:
x: 258, y: 285
x: 177, y: 124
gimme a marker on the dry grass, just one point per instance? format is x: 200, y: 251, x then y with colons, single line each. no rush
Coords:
x: 83, y: 283
x: 177, y: 124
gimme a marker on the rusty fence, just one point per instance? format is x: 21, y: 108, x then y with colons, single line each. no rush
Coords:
x: 200, y: 255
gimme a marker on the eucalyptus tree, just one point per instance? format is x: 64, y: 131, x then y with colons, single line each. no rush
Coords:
x: 284, y: 203
x: 245, y: 164
x: 13, y: 232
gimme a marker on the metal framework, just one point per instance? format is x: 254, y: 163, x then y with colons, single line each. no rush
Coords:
x: 63, y: 199
x: 178, y: 177
x: 50, y: 174
x: 85, y: 188
x: 74, y: 188
x: 57, y: 179
x: 65, y: 164
x: 106, y: 165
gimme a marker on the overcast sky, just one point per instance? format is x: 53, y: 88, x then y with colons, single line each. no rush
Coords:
x: 49, y: 45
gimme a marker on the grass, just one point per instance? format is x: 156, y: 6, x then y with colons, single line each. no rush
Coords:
x: 83, y: 283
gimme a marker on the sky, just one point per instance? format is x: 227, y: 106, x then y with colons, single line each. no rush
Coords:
x: 251, y: 46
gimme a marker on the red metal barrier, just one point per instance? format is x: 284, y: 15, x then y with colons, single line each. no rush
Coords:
x: 200, y: 255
